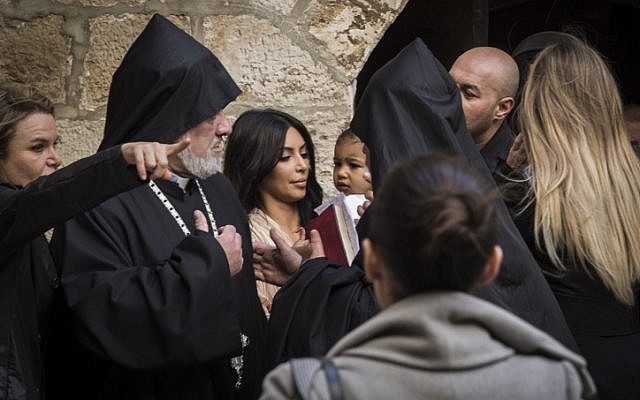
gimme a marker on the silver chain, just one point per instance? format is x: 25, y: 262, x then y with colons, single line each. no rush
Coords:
x: 236, y: 363
x: 167, y: 204
x: 207, y: 207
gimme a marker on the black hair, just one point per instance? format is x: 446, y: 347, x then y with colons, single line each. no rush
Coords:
x: 433, y: 222
x: 347, y: 134
x: 253, y: 150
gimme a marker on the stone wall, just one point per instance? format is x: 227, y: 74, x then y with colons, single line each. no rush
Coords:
x: 301, y: 56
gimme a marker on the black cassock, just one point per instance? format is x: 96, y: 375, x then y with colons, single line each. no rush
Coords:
x: 160, y: 306
x: 410, y: 107
x: 156, y: 312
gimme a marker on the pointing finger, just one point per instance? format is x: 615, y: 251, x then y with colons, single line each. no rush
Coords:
x: 176, y: 148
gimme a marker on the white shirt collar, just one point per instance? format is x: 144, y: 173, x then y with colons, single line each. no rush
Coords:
x: 182, y: 182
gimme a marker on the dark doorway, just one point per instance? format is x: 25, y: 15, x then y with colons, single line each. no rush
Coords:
x: 452, y: 27
x: 610, y: 26
x: 447, y: 27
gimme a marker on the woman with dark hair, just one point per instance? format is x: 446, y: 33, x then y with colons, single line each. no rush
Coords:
x: 432, y: 339
x: 36, y: 195
x: 411, y: 107
x: 270, y: 161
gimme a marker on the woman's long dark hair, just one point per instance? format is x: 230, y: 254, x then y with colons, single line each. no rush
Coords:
x: 253, y: 150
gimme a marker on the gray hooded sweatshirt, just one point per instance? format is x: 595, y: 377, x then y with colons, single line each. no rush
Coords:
x: 446, y: 345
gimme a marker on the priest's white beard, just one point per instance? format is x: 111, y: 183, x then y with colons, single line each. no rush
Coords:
x: 201, y: 167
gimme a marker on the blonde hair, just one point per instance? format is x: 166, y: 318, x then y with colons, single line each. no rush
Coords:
x: 585, y: 176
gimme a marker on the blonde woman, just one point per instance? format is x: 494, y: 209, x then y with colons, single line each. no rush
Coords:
x: 581, y: 216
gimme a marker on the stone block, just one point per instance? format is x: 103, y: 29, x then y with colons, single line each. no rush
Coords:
x: 109, y: 3
x: 325, y: 127
x: 110, y: 38
x: 36, y: 52
x: 268, y: 66
x: 350, y: 29
x: 282, y: 6
x: 103, y: 3
x: 78, y: 139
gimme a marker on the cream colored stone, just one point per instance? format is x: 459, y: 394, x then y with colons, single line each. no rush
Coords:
x: 110, y: 38
x: 104, y: 3
x: 108, y: 3
x: 350, y: 30
x: 37, y: 53
x: 269, y: 68
x: 325, y: 127
x: 396, y: 5
x: 282, y: 6
x: 78, y: 139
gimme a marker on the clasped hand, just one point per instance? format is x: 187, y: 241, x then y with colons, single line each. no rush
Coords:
x: 276, y: 265
x: 229, y: 240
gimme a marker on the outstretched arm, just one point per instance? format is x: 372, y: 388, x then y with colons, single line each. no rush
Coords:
x: 51, y: 200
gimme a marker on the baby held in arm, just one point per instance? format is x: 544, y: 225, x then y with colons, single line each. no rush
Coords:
x: 351, y: 174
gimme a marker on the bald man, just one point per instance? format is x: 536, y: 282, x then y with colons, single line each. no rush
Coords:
x: 488, y: 81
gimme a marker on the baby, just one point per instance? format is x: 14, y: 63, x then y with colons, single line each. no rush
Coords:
x: 349, y: 164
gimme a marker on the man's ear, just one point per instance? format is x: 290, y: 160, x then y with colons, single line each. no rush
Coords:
x: 491, y: 268
x: 504, y: 107
x: 371, y: 258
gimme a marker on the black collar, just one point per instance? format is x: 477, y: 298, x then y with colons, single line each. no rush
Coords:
x: 174, y: 190
x: 498, y: 147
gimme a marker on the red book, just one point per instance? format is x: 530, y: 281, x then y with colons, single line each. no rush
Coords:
x: 337, y: 230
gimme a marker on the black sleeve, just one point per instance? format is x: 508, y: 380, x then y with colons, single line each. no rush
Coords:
x: 323, y: 302
x: 51, y: 200
x: 178, y: 311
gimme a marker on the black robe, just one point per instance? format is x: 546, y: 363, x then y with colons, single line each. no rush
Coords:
x: 410, y: 107
x: 607, y: 331
x: 160, y: 308
x: 28, y: 277
x: 156, y: 313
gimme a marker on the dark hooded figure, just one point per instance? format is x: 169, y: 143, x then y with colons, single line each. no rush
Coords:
x: 411, y: 107
x: 163, y: 307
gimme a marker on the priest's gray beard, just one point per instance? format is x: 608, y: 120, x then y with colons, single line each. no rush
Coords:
x: 201, y: 167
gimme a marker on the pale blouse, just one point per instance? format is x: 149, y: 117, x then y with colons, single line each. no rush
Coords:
x: 260, y: 224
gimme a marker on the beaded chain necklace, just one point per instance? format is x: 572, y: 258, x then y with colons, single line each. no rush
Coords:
x: 167, y: 204
x: 236, y: 363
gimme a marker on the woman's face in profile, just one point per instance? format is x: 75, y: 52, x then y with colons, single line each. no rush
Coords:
x: 32, y: 151
x: 287, y: 182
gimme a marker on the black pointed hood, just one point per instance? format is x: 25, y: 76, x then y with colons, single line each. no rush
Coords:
x: 410, y: 107
x: 166, y: 84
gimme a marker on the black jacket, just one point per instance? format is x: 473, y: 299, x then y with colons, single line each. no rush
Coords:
x: 28, y: 277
